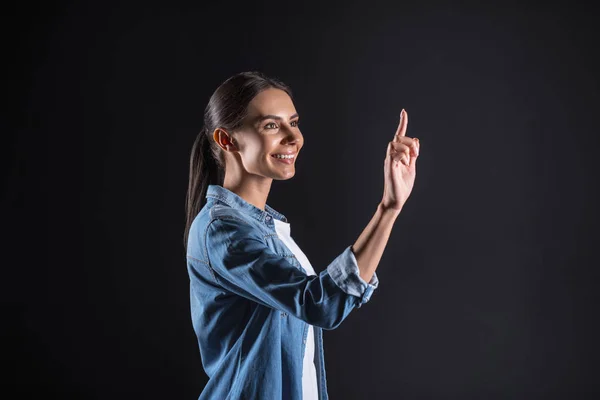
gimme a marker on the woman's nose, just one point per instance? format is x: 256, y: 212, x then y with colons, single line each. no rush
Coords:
x: 293, y: 136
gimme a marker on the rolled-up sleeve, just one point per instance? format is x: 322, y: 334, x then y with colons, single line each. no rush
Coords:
x: 345, y: 273
x: 243, y: 263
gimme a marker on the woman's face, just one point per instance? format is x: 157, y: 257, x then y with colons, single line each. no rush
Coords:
x: 270, y: 129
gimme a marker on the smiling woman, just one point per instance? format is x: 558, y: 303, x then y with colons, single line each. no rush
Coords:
x: 269, y: 131
x: 258, y: 306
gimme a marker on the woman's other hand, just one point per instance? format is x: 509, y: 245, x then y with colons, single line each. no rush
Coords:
x: 399, y: 167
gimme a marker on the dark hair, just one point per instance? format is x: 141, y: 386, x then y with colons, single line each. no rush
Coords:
x: 226, y: 109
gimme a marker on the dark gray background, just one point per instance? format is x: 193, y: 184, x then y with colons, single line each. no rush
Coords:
x: 488, y: 282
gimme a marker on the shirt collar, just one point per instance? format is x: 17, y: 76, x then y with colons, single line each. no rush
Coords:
x: 233, y: 200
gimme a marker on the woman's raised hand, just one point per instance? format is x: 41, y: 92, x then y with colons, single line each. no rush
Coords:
x: 399, y: 167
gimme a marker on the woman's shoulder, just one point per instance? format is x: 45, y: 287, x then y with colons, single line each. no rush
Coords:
x: 225, y: 217
x: 214, y: 218
x: 226, y: 212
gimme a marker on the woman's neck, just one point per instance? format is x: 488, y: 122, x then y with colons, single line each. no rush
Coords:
x: 253, y: 191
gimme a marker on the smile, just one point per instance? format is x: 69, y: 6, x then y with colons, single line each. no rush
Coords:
x: 284, y: 158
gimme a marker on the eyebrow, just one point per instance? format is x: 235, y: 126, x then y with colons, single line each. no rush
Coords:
x: 271, y: 116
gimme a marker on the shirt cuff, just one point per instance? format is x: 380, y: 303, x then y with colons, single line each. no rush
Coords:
x: 345, y: 273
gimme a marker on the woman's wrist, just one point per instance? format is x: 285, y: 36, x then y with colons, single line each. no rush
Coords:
x: 388, y: 212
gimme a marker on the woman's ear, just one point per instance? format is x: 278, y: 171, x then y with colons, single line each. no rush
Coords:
x: 224, y: 140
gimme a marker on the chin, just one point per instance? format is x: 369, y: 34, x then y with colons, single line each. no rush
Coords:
x: 284, y: 177
x: 282, y: 174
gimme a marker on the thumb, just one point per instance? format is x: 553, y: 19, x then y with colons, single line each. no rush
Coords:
x: 393, y: 155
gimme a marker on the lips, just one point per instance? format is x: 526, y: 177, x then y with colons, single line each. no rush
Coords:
x: 285, y: 153
x: 287, y: 160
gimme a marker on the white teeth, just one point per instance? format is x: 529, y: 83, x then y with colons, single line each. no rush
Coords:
x: 283, y: 156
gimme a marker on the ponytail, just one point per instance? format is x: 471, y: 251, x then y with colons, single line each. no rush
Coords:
x: 204, y: 171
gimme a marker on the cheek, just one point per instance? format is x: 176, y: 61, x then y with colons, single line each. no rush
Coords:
x: 259, y: 152
x: 270, y: 148
x: 254, y: 149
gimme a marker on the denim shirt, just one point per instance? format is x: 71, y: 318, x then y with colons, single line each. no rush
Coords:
x: 251, y: 301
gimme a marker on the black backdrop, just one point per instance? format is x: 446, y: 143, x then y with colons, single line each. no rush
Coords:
x: 488, y: 283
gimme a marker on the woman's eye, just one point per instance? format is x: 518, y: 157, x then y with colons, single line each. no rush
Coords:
x: 274, y: 125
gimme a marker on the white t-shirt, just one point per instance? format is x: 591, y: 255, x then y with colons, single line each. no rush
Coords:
x: 309, y: 372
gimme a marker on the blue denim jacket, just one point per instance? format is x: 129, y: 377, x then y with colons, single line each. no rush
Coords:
x: 251, y: 301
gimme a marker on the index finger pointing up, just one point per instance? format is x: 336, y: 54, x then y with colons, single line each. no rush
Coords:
x: 401, y: 131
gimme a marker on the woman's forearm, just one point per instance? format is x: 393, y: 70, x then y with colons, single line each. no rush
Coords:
x: 369, y: 246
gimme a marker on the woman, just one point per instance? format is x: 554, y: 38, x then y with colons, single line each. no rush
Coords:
x: 258, y: 307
